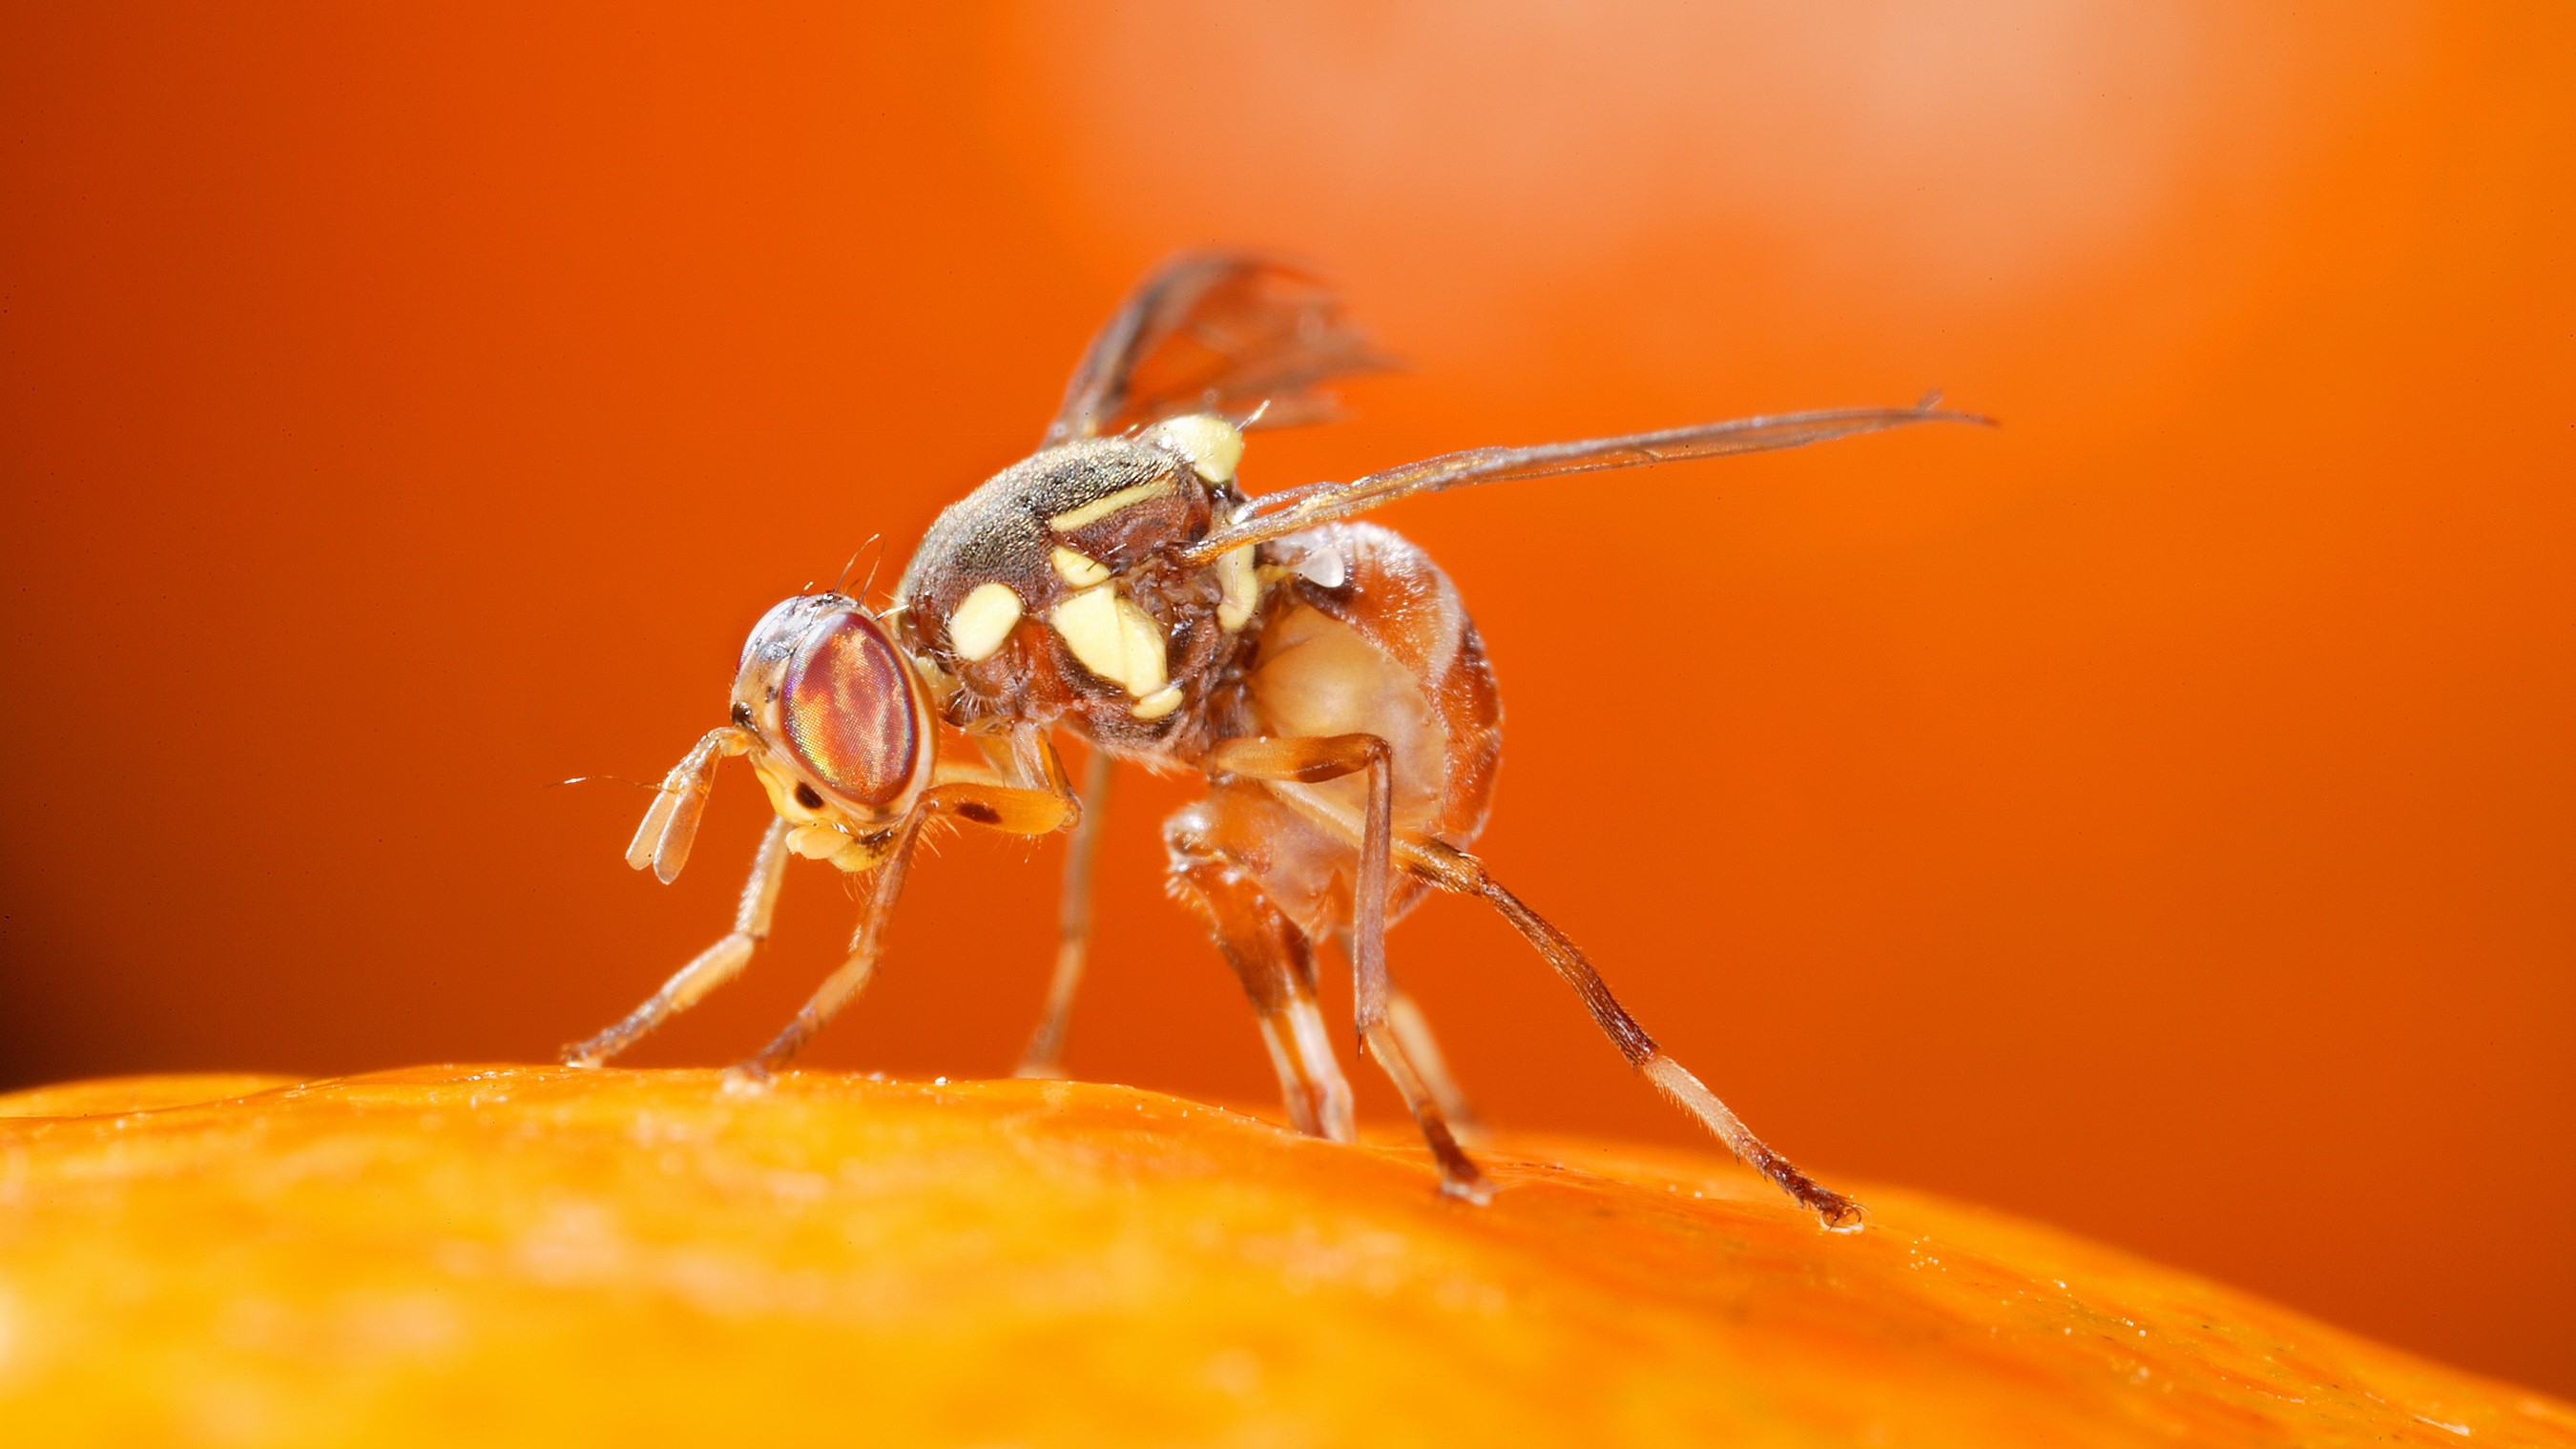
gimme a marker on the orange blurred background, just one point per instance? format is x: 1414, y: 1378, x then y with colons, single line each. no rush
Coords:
x: 2156, y: 817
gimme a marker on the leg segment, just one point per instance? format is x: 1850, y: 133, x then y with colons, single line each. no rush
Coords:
x: 1045, y: 1054
x: 1422, y: 1049
x: 1277, y: 966
x: 853, y: 974
x: 713, y: 966
x: 1459, y: 1175
x: 1413, y: 1033
x: 1309, y: 761
x: 1455, y: 870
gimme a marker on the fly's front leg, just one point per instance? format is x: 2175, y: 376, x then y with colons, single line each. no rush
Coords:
x: 996, y: 807
x: 713, y: 967
x: 866, y: 944
x: 1032, y: 797
x: 1329, y: 757
x: 1045, y: 1054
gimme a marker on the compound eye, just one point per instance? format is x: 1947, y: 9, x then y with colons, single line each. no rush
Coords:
x: 848, y: 710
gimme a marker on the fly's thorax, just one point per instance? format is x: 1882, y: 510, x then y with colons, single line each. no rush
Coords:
x: 1047, y: 594
x: 845, y: 738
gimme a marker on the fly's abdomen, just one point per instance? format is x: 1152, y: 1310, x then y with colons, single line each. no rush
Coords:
x: 1384, y: 649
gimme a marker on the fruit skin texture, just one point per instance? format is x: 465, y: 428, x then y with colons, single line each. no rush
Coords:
x: 538, y: 1255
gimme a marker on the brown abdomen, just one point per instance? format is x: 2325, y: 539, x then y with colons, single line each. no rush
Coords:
x: 1388, y: 651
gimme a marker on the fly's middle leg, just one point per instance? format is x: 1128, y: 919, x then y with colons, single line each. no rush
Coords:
x: 1045, y: 1054
x: 1413, y: 1033
x: 1312, y: 760
x: 1276, y: 963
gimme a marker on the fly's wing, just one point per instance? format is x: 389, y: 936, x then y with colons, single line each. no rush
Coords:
x: 1215, y: 332
x: 1293, y: 509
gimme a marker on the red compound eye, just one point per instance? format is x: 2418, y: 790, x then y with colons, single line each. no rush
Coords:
x: 848, y: 709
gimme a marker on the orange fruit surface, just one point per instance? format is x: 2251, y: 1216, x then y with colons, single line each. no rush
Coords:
x: 513, y: 1254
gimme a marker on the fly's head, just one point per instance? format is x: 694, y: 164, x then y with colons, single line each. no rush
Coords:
x: 835, y: 724
x: 1046, y: 592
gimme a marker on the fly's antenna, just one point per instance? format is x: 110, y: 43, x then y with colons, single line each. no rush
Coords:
x: 603, y: 780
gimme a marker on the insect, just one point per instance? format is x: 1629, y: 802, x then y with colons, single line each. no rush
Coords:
x: 1119, y: 586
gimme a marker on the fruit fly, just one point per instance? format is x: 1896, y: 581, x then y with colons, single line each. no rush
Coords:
x: 1118, y: 585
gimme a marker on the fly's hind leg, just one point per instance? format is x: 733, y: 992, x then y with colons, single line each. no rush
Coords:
x: 1455, y: 870
x: 712, y: 967
x: 1277, y: 965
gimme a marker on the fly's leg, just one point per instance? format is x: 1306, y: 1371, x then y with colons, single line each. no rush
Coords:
x: 1459, y: 1176
x: 1328, y: 757
x: 1006, y: 808
x: 1045, y: 1054
x: 1455, y: 870
x: 1277, y: 966
x: 1413, y: 1033
x: 1312, y: 761
x: 852, y: 976
x: 713, y: 967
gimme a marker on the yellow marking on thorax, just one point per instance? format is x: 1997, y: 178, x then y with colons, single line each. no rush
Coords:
x: 1077, y: 570
x: 1241, y: 587
x: 982, y: 621
x: 1113, y: 639
x: 1158, y: 704
x: 1213, y: 445
x: 1100, y: 508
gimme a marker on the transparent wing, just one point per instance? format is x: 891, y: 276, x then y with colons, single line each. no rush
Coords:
x: 1215, y: 332
x: 1275, y: 514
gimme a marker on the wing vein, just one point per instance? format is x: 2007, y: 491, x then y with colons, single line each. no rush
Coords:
x: 1291, y: 510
